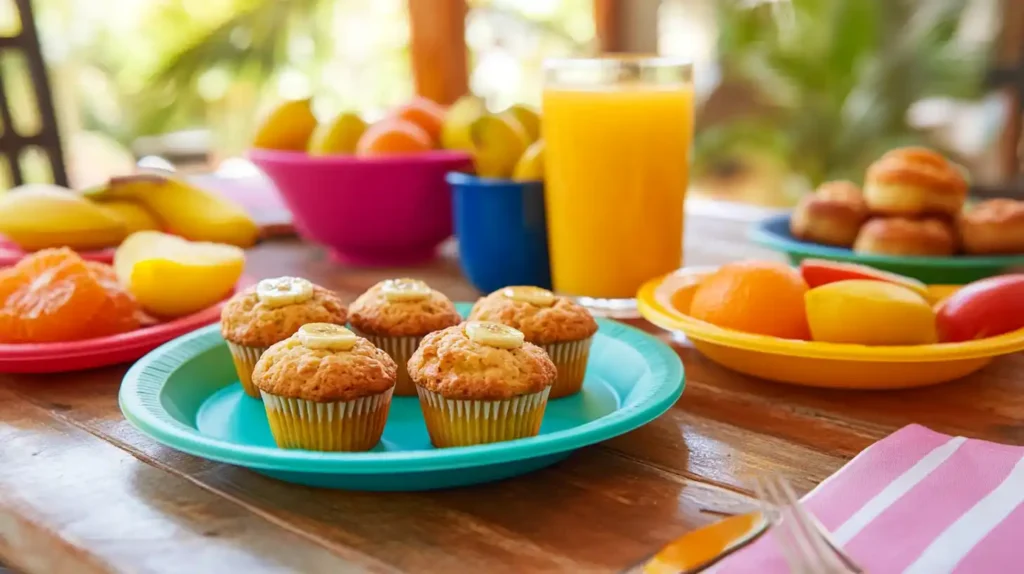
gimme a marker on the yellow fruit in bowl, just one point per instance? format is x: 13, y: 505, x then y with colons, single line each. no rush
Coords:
x: 338, y: 136
x: 38, y: 216
x: 528, y: 118
x: 869, y: 313
x: 457, y: 121
x: 530, y: 166
x: 173, y: 277
x: 287, y: 127
x: 498, y: 143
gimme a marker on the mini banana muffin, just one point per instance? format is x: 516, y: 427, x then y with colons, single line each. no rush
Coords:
x: 269, y: 312
x: 831, y: 215
x: 993, y: 226
x: 480, y: 382
x: 326, y: 389
x: 395, y: 315
x: 558, y: 325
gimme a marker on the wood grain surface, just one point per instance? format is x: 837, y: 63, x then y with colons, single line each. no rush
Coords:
x: 81, y: 491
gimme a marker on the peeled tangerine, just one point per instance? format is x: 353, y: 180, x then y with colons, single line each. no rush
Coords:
x: 173, y: 277
x: 869, y: 313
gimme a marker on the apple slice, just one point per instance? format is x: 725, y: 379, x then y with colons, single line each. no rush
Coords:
x: 818, y: 272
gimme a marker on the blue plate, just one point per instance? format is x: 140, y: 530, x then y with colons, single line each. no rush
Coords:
x: 186, y: 395
x: 774, y: 234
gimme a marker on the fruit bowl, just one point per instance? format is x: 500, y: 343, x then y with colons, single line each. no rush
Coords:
x: 665, y: 301
x: 774, y: 234
x: 389, y: 210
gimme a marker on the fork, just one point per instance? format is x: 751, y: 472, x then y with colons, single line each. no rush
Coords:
x: 805, y: 543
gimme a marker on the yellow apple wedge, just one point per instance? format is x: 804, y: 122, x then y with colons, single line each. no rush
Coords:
x: 528, y: 118
x: 172, y: 277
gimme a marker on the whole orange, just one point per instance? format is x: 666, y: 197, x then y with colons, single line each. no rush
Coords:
x: 393, y: 137
x: 761, y: 297
x: 425, y: 113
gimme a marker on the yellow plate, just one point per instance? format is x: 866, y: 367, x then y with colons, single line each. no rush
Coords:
x: 665, y: 301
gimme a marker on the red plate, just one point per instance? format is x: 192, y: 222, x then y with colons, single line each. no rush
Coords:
x: 102, y: 351
x: 11, y: 253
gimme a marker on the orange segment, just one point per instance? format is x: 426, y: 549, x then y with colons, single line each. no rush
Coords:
x: 120, y: 311
x: 48, y: 296
x: 761, y: 297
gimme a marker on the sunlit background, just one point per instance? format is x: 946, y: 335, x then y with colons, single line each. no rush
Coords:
x: 790, y: 94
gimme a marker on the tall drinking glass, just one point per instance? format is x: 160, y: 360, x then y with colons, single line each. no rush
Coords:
x: 617, y: 134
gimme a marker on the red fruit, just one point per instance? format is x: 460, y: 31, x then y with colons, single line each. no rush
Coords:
x: 818, y: 272
x: 985, y: 308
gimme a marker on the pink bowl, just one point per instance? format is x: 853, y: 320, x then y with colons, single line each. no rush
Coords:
x: 368, y: 211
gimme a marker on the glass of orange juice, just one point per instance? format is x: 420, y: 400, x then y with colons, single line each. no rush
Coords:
x: 617, y: 134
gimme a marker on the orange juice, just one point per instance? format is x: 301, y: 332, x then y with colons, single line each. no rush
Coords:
x: 617, y: 163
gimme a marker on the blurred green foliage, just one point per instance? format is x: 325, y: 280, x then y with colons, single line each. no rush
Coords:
x: 837, y: 78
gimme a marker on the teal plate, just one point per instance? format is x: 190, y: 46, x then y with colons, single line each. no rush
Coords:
x: 186, y: 395
x: 774, y: 234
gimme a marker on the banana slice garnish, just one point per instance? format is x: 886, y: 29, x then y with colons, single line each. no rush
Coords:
x: 282, y: 291
x: 405, y: 290
x: 532, y: 295
x: 494, y: 335
x: 326, y: 336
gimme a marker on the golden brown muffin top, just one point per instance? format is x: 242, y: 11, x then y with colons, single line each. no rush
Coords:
x: 290, y: 369
x: 378, y: 312
x: 561, y: 321
x: 245, y: 320
x: 450, y: 363
x: 996, y: 212
x: 918, y: 166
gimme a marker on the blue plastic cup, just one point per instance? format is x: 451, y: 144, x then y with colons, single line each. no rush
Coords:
x: 502, y: 231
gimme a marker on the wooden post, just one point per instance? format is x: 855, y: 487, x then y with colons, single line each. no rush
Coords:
x: 627, y: 25
x: 1010, y: 75
x: 438, y: 45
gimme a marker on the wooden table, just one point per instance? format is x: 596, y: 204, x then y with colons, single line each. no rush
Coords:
x: 81, y: 491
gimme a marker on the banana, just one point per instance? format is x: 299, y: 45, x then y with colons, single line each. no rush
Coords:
x: 134, y: 215
x: 532, y: 295
x: 326, y: 336
x: 405, y: 290
x: 283, y: 291
x: 182, y: 208
x: 39, y: 216
x: 494, y: 335
x: 530, y: 166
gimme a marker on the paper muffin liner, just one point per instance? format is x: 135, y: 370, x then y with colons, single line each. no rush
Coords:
x: 570, y: 359
x: 400, y: 349
x: 453, y: 422
x: 355, y: 425
x: 245, y: 358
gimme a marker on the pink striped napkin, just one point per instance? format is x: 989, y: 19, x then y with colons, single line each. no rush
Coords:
x: 916, y: 502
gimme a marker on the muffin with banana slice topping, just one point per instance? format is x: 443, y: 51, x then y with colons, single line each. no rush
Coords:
x: 271, y: 311
x: 325, y: 388
x: 395, y: 315
x: 558, y: 325
x: 480, y: 382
